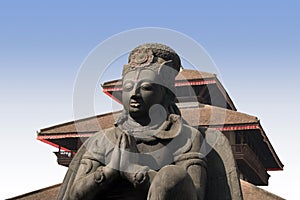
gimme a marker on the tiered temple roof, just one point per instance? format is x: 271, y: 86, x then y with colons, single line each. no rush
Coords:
x: 198, y: 94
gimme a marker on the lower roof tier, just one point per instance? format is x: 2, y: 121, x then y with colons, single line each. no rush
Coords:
x: 245, y: 128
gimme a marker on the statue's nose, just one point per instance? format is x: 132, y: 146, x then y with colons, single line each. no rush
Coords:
x: 135, y: 91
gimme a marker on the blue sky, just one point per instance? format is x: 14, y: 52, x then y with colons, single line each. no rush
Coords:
x: 256, y: 46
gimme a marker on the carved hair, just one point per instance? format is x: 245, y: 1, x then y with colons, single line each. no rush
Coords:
x: 152, y: 55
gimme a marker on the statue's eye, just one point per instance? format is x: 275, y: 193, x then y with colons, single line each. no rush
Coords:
x: 147, y: 86
x: 127, y: 86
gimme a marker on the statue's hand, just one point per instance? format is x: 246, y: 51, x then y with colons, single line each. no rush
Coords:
x: 113, y: 167
x: 128, y: 152
x: 123, y: 155
x: 129, y: 167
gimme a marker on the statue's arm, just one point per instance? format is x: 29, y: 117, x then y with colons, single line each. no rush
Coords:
x: 91, y: 179
x: 198, y: 174
x: 195, y: 164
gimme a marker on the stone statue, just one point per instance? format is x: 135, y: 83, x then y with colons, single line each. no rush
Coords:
x: 150, y: 153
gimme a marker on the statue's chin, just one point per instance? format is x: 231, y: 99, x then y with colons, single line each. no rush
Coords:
x: 137, y: 115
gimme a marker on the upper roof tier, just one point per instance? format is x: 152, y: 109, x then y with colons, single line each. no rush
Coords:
x: 191, y: 86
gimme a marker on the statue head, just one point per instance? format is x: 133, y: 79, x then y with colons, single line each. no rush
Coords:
x: 149, y: 82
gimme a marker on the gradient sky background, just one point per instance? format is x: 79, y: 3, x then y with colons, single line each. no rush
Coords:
x: 256, y: 46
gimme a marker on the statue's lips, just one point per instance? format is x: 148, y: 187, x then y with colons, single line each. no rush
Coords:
x: 135, y: 104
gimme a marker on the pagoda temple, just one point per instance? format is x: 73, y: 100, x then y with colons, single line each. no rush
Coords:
x: 198, y: 94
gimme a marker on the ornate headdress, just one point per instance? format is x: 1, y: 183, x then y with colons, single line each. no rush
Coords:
x: 157, y: 57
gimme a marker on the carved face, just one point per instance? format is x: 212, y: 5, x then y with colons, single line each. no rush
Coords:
x: 141, y: 91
